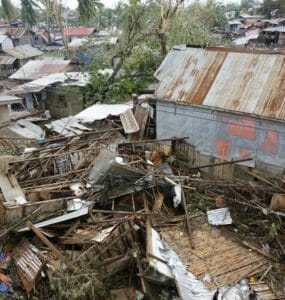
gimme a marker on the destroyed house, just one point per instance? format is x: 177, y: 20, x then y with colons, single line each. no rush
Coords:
x: 20, y: 36
x: 229, y: 102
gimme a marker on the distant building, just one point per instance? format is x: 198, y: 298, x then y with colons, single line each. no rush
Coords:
x: 79, y: 32
x: 44, y: 93
x: 20, y: 36
x: 274, y: 36
x: 5, y: 106
x: 41, y: 37
x: 233, y: 25
x: 5, y: 42
x: 231, y: 14
x: 23, y: 53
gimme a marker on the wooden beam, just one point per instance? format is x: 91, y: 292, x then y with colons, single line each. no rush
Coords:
x: 50, y: 245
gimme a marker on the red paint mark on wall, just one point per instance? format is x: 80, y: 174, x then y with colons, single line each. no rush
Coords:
x: 271, y: 142
x: 222, y: 148
x: 244, y: 128
x: 243, y: 153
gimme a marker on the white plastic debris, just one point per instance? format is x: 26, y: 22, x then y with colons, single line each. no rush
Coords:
x: 21, y: 200
x: 178, y: 195
x: 78, y: 189
x: 119, y: 160
x: 220, y: 216
x: 75, y: 204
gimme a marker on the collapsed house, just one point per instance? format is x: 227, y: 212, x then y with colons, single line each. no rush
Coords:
x: 128, y: 200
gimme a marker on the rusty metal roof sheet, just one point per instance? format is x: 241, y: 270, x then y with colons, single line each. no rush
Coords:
x: 79, y: 31
x: 35, y: 69
x: 23, y: 52
x: 239, y: 81
x: 18, y: 32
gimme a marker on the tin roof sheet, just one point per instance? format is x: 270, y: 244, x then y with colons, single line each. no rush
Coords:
x: 35, y: 69
x: 274, y: 29
x: 6, y: 60
x: 68, y: 79
x: 3, y: 37
x: 23, y: 52
x: 246, y: 82
x: 6, y: 99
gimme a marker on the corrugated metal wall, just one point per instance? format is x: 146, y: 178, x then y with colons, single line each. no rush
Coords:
x: 223, y: 135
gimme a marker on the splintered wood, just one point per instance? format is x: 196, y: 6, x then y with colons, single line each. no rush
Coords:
x: 215, y: 254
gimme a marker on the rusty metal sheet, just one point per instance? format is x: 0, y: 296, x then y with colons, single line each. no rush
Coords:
x: 248, y: 82
x: 186, y: 75
x: 129, y: 122
x: 28, y: 264
x: 79, y: 31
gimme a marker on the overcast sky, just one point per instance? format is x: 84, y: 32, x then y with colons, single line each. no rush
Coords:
x: 111, y: 3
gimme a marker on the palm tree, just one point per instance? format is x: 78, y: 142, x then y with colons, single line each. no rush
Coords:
x: 28, y: 12
x: 87, y: 9
x: 8, y: 10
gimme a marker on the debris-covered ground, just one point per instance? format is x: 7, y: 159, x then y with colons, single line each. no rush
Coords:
x: 108, y: 212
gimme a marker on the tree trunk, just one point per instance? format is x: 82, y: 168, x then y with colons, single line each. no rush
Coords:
x: 116, y: 70
x: 163, y: 44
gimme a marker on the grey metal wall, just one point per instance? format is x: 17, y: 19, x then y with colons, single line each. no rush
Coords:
x: 223, y: 135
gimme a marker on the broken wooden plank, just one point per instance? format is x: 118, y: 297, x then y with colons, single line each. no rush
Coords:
x: 49, y: 244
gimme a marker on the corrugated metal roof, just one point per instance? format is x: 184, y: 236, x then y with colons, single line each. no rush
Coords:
x: 101, y: 111
x: 238, y: 81
x: 6, y: 60
x: 67, y: 126
x: 71, y: 79
x: 27, y: 129
x: 3, y: 37
x: 6, y: 99
x: 79, y: 31
x: 275, y: 29
x: 24, y: 51
x: 35, y: 69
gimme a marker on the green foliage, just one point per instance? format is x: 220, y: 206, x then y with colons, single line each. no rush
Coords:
x: 274, y: 228
x: 136, y: 74
x: 8, y: 10
x: 28, y: 12
x: 246, y: 5
x: 273, y: 8
x: 80, y: 285
x: 87, y: 9
x: 194, y: 24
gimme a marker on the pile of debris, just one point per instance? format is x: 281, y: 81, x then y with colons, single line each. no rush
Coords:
x: 110, y: 213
